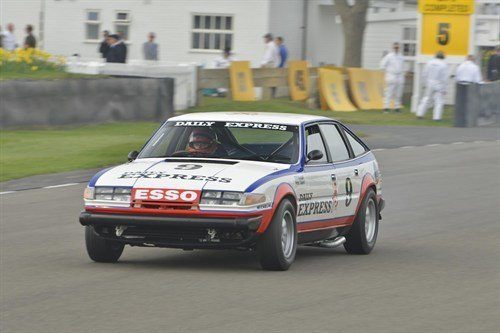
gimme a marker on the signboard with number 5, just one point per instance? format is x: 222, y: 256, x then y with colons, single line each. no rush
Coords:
x: 447, y: 33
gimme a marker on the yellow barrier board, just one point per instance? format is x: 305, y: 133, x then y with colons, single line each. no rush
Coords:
x: 360, y: 82
x: 378, y: 89
x: 241, y: 80
x: 447, y: 33
x: 332, y: 89
x: 298, y: 80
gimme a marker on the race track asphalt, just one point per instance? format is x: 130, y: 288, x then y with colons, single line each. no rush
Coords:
x: 435, y: 267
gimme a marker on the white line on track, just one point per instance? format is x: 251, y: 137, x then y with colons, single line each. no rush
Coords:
x: 7, y: 192
x: 458, y: 143
x: 378, y: 149
x: 407, y: 147
x: 61, y: 185
x: 433, y: 145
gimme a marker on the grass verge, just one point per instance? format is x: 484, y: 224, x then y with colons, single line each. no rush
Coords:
x: 32, y: 152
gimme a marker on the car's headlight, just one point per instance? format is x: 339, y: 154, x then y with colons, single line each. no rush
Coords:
x: 227, y: 198
x: 112, y: 193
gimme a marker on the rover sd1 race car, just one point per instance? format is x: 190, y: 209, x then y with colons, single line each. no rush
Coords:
x: 227, y: 180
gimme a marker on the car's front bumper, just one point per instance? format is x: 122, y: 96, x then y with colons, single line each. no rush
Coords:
x: 174, y: 231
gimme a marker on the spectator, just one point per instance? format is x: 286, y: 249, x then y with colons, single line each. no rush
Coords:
x: 104, y: 46
x: 435, y: 76
x: 117, y: 50
x: 30, y: 40
x: 150, y: 48
x: 225, y: 60
x: 271, y: 56
x: 9, y: 40
x: 493, y: 69
x: 468, y: 71
x: 283, y: 51
x: 392, y: 63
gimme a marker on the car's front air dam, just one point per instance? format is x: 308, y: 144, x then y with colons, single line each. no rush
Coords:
x: 101, y: 219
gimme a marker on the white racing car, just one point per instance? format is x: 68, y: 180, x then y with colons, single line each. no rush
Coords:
x: 256, y: 181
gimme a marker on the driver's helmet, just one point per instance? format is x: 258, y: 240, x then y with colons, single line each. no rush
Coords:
x: 202, y: 141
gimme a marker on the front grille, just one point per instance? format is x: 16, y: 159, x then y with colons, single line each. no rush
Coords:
x: 163, y: 205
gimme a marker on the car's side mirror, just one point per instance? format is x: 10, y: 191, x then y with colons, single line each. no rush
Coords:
x: 314, y: 155
x: 132, y: 155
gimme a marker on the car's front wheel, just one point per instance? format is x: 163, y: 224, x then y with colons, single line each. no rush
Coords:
x: 278, y: 245
x: 363, y: 235
x: 101, y: 249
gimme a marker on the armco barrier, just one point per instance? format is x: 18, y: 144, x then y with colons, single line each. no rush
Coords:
x: 84, y: 101
x: 332, y: 91
x: 477, y: 104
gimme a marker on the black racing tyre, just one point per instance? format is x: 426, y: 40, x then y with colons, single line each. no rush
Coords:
x: 363, y: 234
x: 100, y: 249
x: 278, y: 245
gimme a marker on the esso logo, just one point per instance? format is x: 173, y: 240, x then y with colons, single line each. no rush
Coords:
x: 146, y: 194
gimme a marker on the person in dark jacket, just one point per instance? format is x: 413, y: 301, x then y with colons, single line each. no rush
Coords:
x: 30, y: 40
x: 104, y: 46
x: 117, y: 50
x: 493, y: 70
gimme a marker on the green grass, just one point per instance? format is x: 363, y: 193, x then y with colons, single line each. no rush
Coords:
x: 30, y: 152
x: 365, y: 117
x: 41, y: 74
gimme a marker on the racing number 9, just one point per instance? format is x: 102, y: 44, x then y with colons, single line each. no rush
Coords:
x: 348, y: 192
x: 443, y: 33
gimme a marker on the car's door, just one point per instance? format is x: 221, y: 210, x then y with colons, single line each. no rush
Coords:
x: 343, y: 174
x: 316, y: 192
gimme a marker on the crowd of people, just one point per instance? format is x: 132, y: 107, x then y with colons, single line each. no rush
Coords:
x: 8, y: 39
x: 435, y: 78
x: 114, y: 49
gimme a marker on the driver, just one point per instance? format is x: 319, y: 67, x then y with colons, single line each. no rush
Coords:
x: 202, y: 141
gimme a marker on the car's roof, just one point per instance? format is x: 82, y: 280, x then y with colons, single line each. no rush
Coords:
x: 243, y: 116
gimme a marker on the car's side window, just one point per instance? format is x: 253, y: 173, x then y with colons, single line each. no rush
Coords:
x: 336, y: 146
x: 357, y: 147
x: 315, y: 142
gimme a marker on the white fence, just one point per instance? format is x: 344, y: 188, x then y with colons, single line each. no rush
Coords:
x: 184, y: 74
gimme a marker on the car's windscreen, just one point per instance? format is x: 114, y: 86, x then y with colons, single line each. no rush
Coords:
x: 232, y: 140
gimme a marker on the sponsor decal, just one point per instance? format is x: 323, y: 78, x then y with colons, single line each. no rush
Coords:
x: 300, y: 180
x: 305, y: 196
x: 277, y: 127
x: 335, y: 194
x: 165, y: 195
x: 164, y: 175
x: 316, y: 207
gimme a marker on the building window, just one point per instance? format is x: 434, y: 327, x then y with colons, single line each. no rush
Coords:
x: 92, y: 24
x: 212, y: 32
x: 409, y: 41
x: 122, y: 24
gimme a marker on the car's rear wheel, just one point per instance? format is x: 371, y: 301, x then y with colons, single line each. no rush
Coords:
x: 363, y: 235
x: 101, y: 249
x: 278, y: 245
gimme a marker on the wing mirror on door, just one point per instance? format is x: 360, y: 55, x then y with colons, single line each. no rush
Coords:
x: 132, y: 155
x: 314, y: 155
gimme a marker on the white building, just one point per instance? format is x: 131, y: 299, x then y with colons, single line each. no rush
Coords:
x: 196, y: 30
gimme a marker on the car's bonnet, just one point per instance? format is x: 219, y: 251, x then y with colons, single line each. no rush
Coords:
x: 188, y: 174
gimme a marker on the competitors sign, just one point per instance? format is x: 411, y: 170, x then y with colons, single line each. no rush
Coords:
x: 445, y: 26
x: 241, y: 79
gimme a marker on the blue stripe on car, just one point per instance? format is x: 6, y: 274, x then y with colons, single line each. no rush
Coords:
x: 97, y: 176
x: 297, y: 168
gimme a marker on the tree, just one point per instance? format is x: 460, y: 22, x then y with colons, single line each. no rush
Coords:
x: 353, y: 23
